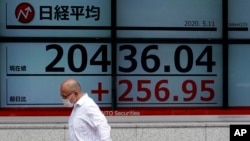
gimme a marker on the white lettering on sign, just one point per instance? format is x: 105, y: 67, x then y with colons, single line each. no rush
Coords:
x: 240, y: 132
x: 121, y: 113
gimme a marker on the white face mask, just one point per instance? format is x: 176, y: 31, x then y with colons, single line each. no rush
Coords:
x: 67, y: 103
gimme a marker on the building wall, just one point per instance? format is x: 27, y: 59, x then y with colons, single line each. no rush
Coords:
x: 165, y: 128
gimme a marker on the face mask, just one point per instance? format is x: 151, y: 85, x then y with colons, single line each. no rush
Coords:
x: 67, y: 103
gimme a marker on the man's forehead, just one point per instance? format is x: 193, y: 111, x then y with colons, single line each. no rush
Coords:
x: 65, y: 90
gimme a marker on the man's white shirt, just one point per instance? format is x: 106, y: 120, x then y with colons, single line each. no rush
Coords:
x: 87, y: 122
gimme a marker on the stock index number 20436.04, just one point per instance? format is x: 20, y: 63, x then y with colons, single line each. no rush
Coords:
x: 149, y: 58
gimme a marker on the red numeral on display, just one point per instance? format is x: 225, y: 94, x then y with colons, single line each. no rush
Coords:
x: 161, y: 89
x: 124, y: 96
x: 210, y: 91
x: 142, y: 88
x: 162, y: 93
x: 189, y: 88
